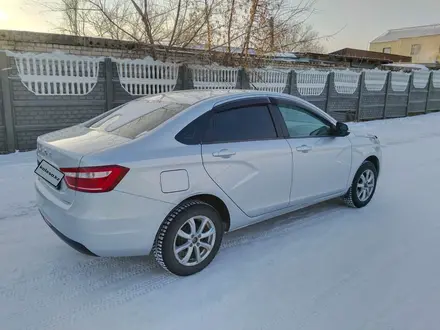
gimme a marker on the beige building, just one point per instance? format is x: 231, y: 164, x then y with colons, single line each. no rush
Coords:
x: 422, y: 43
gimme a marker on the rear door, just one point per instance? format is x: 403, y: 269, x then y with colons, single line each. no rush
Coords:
x: 321, y: 161
x: 246, y: 157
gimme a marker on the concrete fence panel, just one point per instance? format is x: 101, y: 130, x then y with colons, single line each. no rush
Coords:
x: 373, y: 94
x: 271, y: 80
x: 418, y: 92
x: 397, y: 96
x: 214, y: 77
x: 343, y: 97
x: 37, y: 114
x: 311, y: 85
x: 433, y: 103
x: 46, y: 92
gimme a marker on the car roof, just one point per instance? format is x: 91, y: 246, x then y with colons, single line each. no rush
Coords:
x: 191, y: 97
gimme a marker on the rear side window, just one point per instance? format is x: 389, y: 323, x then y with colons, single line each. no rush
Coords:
x: 135, y: 119
x: 241, y: 124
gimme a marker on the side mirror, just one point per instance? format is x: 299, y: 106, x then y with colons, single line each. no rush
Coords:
x: 341, y: 129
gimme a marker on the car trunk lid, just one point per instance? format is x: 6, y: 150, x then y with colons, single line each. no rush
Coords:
x: 65, y: 149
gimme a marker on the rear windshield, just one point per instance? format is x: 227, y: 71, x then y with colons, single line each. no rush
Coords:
x: 136, y: 118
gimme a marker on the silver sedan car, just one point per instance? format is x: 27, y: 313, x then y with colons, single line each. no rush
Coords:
x: 170, y: 174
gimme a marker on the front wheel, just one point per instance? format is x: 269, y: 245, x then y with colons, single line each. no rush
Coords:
x: 189, y: 238
x: 363, y: 186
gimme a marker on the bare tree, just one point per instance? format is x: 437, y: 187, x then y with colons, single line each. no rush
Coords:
x: 263, y: 26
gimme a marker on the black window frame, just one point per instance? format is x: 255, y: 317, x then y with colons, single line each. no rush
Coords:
x: 277, y: 102
x: 206, y: 121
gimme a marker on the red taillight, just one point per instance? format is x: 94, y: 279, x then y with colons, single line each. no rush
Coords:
x: 94, y: 179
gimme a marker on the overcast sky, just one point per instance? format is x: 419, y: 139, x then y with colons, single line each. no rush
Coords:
x: 358, y: 22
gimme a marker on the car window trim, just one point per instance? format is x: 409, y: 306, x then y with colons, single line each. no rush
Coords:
x: 245, y: 103
x: 279, y: 102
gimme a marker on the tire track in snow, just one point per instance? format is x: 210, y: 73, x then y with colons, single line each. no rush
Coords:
x: 85, y: 286
x: 155, y: 280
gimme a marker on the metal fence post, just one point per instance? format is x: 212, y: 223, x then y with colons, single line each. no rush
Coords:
x: 410, y: 82
x: 7, y: 103
x: 109, y: 95
x: 387, y: 86
x: 429, y: 91
x: 361, y: 90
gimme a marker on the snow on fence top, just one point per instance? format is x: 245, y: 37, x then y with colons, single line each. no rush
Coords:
x: 311, y: 82
x: 146, y: 76
x: 436, y: 78
x: 57, y: 73
x: 420, y: 78
x: 268, y: 79
x: 346, y: 82
x: 399, y: 81
x: 213, y: 77
x: 375, y: 80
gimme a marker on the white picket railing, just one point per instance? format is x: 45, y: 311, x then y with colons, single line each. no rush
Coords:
x: 57, y: 73
x: 399, y: 81
x: 375, y: 80
x: 311, y: 82
x: 346, y: 82
x: 213, y: 77
x: 146, y: 76
x: 420, y: 79
x: 269, y: 80
x: 436, y: 78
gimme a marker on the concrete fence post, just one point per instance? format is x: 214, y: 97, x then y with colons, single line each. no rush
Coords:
x: 7, y: 103
x: 387, y: 87
x: 361, y: 91
x: 330, y: 81
x: 243, y: 80
x: 429, y: 92
x: 292, y: 82
x: 410, y: 87
x: 108, y: 75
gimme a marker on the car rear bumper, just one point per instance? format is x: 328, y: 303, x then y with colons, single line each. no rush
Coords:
x: 112, y: 224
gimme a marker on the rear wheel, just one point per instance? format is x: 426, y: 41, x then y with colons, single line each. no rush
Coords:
x: 363, y: 186
x: 189, y: 238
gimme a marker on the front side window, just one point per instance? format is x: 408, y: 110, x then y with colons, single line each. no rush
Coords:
x: 241, y: 124
x: 301, y: 123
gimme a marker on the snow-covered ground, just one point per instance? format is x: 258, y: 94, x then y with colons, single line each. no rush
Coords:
x: 326, y: 267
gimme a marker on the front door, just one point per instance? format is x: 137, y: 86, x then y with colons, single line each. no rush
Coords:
x: 243, y: 154
x: 321, y: 162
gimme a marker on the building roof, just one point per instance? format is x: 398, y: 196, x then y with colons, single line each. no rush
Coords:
x: 409, y: 32
x: 367, y: 54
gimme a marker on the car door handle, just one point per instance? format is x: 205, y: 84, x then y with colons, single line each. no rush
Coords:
x: 304, y: 148
x: 224, y: 153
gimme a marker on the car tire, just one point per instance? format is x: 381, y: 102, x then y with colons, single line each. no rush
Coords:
x: 182, y: 247
x: 363, y: 186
